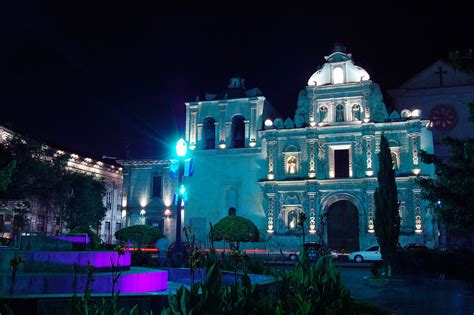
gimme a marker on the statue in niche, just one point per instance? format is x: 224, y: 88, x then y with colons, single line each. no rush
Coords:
x: 323, y: 114
x: 291, y: 165
x: 302, y: 110
x: 292, y: 219
x: 356, y: 113
x: 339, y: 113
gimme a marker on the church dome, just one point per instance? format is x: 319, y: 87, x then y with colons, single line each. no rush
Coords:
x: 338, y: 69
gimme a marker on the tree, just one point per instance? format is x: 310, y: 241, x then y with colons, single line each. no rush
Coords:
x: 387, y: 217
x: 235, y: 229
x: 31, y: 172
x: 84, y: 209
x: 6, y: 172
x: 139, y: 234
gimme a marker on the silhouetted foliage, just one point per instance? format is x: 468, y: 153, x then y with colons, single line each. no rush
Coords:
x: 387, y: 217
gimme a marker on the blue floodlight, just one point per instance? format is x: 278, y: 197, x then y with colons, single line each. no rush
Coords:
x: 181, y: 148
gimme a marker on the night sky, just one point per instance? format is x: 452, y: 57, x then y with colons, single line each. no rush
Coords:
x: 93, y: 80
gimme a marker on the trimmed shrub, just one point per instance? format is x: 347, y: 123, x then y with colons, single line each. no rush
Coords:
x: 95, y: 243
x: 139, y: 234
x: 235, y: 229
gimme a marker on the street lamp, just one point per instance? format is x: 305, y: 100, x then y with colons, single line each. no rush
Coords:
x: 181, y: 150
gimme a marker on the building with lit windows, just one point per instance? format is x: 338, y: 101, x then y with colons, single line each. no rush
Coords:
x: 323, y: 162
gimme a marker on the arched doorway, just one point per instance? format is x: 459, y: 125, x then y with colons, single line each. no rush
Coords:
x: 343, y: 226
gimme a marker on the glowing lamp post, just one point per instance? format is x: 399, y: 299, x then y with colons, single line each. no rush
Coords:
x: 181, y: 150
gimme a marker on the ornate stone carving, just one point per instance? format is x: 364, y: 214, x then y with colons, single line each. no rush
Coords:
x: 271, y: 212
x: 414, y: 140
x: 321, y: 149
x: 358, y: 146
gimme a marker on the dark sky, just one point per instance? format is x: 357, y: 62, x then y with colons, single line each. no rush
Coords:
x: 94, y: 79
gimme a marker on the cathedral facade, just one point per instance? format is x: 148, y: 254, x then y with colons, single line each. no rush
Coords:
x: 323, y: 163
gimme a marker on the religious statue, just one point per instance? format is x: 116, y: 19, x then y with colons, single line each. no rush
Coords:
x: 291, y: 165
x: 323, y: 114
x: 339, y: 113
x: 356, y: 113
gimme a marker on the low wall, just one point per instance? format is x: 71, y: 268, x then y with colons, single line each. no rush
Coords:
x: 135, y: 280
x: 63, y: 261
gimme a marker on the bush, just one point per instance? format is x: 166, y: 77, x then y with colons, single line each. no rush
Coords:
x: 455, y: 264
x: 139, y: 234
x: 235, y: 229
x: 95, y: 239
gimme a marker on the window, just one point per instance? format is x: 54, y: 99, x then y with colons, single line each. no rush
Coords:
x: 232, y: 211
x: 109, y: 197
x: 209, y: 134
x: 58, y: 221
x: 341, y: 163
x: 156, y: 186
x: 339, y: 113
x: 356, y: 113
x: 107, y: 227
x: 373, y: 249
x: 338, y: 75
x: 292, y: 165
x: 238, y: 132
x: 1, y: 222
x: 323, y: 114
x: 118, y: 226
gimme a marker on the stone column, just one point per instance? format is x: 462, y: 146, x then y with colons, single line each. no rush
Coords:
x: 193, y: 131
x: 222, y: 125
x: 271, y: 212
x: 246, y: 134
x: 253, y: 124
x: 370, y: 211
x: 417, y: 211
x: 312, y: 158
x: 312, y: 212
x: 369, y: 140
x: 199, y: 134
x: 271, y: 159
x: 415, y: 147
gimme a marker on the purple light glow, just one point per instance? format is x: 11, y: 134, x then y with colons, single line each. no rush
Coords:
x: 81, y: 239
x: 81, y: 259
x: 137, y: 280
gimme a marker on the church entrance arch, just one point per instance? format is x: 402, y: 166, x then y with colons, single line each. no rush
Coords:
x: 343, y: 226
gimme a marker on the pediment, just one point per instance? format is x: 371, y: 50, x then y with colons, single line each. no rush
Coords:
x: 438, y: 74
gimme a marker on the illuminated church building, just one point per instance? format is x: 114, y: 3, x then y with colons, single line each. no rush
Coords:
x: 323, y: 162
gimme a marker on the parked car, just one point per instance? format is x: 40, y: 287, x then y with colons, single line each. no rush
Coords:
x: 371, y: 253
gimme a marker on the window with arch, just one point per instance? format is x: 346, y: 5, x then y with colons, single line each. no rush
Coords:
x: 323, y: 114
x: 339, y: 113
x: 338, y: 75
x: 356, y: 112
x: 291, y: 164
x: 238, y: 132
x: 209, y: 133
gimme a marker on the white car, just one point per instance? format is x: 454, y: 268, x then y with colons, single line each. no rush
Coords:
x: 371, y: 253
